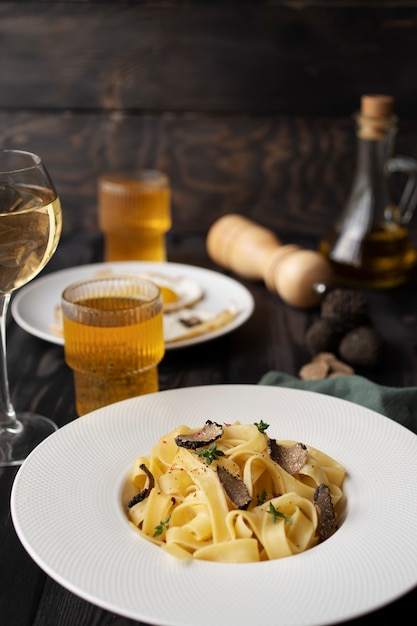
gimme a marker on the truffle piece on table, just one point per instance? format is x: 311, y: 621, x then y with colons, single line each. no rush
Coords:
x: 325, y: 365
x: 362, y: 346
x: 336, y: 366
x: 322, y: 336
x: 346, y: 308
x: 315, y: 370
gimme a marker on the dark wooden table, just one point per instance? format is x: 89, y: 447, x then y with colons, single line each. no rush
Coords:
x: 272, y: 339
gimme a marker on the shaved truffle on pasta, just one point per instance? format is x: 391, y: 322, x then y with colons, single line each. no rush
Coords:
x: 146, y: 491
x: 291, y: 458
x: 202, y: 437
x: 231, y: 493
x: 235, y: 488
x: 327, y: 517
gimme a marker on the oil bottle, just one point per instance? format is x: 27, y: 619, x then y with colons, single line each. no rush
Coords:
x: 370, y: 245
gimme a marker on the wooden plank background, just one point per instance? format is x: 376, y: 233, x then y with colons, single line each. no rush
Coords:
x: 245, y: 105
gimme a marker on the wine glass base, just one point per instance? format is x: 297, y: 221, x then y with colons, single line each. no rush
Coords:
x: 16, y: 446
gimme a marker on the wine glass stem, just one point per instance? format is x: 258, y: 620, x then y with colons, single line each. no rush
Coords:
x: 8, y: 419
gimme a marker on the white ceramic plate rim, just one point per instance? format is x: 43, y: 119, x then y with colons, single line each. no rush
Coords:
x: 33, y: 306
x: 65, y: 508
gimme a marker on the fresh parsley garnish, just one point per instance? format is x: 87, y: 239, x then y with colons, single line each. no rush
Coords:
x: 276, y: 514
x: 261, y: 497
x: 210, y: 454
x: 162, y: 527
x: 261, y: 426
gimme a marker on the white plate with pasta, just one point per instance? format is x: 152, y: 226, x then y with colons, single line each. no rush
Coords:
x: 217, y: 302
x: 68, y: 507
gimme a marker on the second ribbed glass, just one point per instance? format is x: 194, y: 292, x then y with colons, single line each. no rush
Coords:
x: 134, y: 213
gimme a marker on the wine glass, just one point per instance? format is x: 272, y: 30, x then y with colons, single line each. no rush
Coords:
x: 30, y: 228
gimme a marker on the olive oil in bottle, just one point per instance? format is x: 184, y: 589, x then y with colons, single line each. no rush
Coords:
x: 369, y: 244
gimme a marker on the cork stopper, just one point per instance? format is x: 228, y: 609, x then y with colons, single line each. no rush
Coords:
x: 375, y: 105
x: 376, y: 116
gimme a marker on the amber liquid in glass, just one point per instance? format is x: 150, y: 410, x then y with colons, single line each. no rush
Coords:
x: 110, y: 362
x: 134, y: 215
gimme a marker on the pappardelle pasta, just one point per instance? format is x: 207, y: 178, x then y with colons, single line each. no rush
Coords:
x: 231, y: 493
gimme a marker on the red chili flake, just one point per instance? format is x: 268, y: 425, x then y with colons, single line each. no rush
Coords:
x: 227, y: 424
x: 177, y: 468
x: 164, y: 441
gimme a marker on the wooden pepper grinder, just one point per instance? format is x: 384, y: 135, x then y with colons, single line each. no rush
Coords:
x: 299, y: 276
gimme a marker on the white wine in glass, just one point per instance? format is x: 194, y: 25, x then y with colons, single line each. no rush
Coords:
x: 30, y: 228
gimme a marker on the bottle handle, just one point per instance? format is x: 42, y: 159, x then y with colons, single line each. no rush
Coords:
x: 408, y: 199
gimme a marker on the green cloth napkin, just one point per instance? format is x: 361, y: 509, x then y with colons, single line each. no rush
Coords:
x: 400, y: 404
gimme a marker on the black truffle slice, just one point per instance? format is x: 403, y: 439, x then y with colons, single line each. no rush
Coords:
x: 362, y: 346
x: 322, y: 336
x: 235, y: 488
x: 324, y: 505
x: 190, y: 322
x: 146, y: 491
x: 202, y: 437
x: 290, y: 458
x: 345, y: 308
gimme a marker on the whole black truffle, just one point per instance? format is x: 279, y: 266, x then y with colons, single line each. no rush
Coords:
x: 346, y: 308
x: 362, y: 346
x: 322, y: 336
